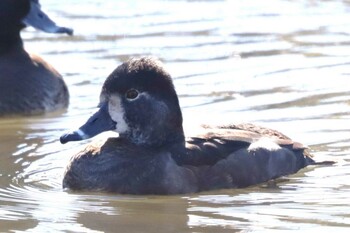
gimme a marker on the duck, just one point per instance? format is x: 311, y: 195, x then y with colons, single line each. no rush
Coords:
x: 28, y: 84
x: 151, y: 155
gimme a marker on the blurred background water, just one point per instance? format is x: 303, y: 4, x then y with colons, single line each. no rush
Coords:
x: 282, y: 64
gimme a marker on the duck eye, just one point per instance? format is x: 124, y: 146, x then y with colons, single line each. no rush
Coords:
x: 131, y: 94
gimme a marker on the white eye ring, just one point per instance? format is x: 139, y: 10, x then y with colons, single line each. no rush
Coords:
x: 131, y: 94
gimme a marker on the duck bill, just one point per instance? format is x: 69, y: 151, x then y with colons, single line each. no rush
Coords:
x: 99, y: 122
x: 39, y: 20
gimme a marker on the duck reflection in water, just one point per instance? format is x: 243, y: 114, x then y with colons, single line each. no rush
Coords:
x: 151, y: 155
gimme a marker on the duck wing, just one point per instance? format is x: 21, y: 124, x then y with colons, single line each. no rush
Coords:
x: 252, y: 133
x: 212, y: 143
x: 236, y: 156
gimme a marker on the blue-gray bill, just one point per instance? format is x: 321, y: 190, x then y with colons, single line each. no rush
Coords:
x: 99, y: 122
x: 39, y: 20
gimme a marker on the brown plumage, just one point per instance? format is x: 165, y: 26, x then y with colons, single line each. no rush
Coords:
x: 28, y: 84
x: 151, y: 155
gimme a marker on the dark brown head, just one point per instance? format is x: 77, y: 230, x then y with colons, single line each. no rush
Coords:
x: 16, y: 14
x: 138, y: 100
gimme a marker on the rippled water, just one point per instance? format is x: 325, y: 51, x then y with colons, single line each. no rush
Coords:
x: 282, y: 64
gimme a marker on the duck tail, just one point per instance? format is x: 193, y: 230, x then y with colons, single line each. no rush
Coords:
x: 323, y: 163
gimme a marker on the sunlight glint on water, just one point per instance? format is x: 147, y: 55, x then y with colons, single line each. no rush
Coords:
x: 282, y: 64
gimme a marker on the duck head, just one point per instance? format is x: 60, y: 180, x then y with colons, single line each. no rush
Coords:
x: 16, y: 14
x: 138, y: 100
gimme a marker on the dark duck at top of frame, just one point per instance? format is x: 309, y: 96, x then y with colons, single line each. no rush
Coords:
x: 28, y: 84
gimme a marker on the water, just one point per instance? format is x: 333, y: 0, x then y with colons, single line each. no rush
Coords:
x: 281, y: 64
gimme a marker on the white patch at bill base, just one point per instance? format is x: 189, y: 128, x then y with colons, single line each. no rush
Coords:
x: 116, y: 112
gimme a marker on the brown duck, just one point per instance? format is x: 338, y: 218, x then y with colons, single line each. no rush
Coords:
x: 151, y: 155
x: 28, y: 84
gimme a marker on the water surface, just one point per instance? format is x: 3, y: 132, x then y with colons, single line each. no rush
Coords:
x: 281, y: 64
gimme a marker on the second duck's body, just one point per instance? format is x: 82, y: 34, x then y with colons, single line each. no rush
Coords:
x: 28, y: 84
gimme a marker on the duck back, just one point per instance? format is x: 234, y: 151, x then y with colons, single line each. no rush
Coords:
x: 29, y: 85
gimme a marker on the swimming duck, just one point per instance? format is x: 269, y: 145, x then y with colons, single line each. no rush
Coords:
x: 151, y: 154
x: 28, y: 84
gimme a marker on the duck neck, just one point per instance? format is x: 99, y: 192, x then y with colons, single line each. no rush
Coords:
x: 10, y: 39
x: 156, y: 139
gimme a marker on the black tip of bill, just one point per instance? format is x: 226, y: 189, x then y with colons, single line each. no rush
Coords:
x: 65, y: 30
x: 72, y: 136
